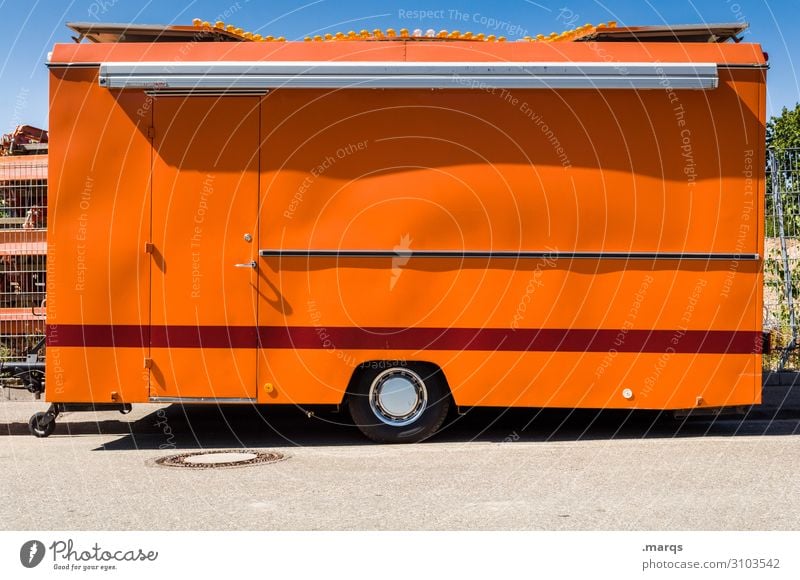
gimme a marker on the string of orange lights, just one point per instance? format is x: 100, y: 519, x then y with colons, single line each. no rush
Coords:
x: 405, y: 34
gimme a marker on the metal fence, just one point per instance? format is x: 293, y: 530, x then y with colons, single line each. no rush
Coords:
x: 782, y: 257
x: 23, y: 249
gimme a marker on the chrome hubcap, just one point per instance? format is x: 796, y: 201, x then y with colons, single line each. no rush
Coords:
x: 398, y: 397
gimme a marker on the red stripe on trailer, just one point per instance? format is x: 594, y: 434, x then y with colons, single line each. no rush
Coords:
x: 386, y: 338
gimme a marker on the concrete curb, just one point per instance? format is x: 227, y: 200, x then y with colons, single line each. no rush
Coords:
x: 781, y: 391
x: 7, y: 394
x: 774, y: 378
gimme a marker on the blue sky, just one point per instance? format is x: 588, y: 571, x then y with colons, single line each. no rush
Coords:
x: 31, y: 27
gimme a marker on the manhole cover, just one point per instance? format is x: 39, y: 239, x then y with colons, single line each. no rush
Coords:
x: 219, y: 459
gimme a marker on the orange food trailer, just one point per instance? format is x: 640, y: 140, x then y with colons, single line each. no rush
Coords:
x: 405, y: 223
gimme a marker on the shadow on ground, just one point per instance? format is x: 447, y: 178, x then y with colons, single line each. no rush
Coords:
x: 183, y: 427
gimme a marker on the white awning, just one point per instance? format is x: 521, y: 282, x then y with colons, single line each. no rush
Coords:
x: 205, y: 76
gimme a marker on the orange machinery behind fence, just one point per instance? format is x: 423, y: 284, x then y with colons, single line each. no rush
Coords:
x: 406, y: 225
x: 23, y: 249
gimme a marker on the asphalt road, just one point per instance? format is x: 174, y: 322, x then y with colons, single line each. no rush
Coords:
x: 517, y: 470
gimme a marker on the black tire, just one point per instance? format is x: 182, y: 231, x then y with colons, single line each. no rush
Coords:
x: 38, y: 427
x: 424, y: 380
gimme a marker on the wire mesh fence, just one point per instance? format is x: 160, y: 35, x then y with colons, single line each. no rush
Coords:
x: 782, y: 257
x: 23, y: 253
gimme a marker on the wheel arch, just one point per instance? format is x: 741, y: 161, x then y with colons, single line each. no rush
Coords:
x: 425, y: 368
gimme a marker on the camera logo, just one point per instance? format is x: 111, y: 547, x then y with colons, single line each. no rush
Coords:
x: 31, y: 553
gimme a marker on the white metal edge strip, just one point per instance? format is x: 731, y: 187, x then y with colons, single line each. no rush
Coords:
x: 464, y: 75
x: 402, y: 67
x: 205, y: 400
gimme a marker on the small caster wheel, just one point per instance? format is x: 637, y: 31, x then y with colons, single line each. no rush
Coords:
x: 41, y: 425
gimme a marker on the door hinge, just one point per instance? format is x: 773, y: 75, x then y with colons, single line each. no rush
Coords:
x: 149, y: 247
x: 148, y: 363
x: 151, y: 132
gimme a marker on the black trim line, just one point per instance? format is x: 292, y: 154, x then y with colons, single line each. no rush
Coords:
x: 72, y: 64
x: 519, y: 255
x: 206, y: 92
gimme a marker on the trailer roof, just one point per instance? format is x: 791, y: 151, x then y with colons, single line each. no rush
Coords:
x: 112, y: 32
x: 680, y: 33
x: 203, y: 31
x: 96, y: 54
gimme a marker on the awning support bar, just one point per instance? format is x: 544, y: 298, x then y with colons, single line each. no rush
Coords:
x: 406, y: 75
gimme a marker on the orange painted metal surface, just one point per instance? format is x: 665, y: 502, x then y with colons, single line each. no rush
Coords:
x: 145, y: 301
x: 205, y: 200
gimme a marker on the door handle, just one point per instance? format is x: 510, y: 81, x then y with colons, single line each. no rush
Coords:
x: 250, y: 264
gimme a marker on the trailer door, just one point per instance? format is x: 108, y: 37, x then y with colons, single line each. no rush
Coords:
x: 204, y: 224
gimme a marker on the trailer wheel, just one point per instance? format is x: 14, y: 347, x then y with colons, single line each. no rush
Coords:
x: 41, y: 424
x: 399, y: 404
